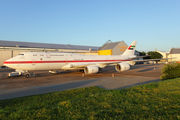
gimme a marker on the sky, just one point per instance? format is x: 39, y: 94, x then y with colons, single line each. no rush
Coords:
x: 154, y: 24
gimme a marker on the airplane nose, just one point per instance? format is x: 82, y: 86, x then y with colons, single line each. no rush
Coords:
x: 5, y: 63
x: 10, y: 63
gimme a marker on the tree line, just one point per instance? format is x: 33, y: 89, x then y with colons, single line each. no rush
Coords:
x: 152, y: 55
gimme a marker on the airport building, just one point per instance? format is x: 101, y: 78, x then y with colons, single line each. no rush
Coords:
x: 112, y: 48
x: 173, y: 53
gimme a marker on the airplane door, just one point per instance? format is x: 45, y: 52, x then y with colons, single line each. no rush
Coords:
x: 66, y: 60
x: 48, y: 55
x: 33, y: 62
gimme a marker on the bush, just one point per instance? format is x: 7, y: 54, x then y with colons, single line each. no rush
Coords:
x: 171, y: 70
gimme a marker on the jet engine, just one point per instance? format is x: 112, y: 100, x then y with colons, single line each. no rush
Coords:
x: 122, y: 67
x: 91, y: 69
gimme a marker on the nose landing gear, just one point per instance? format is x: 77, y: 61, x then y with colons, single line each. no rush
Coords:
x: 27, y: 75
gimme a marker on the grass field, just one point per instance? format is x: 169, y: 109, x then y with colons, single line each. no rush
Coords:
x: 159, y: 100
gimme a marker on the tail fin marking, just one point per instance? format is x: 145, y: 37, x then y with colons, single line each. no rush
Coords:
x: 131, y: 49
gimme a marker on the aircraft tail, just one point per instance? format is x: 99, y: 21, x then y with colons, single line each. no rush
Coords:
x: 131, y: 49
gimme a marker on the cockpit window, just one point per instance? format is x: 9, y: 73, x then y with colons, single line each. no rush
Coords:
x: 20, y: 54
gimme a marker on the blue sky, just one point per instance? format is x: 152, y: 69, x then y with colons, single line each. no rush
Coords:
x: 153, y: 23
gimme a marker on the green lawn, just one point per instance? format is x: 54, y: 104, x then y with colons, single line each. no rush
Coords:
x: 159, y: 100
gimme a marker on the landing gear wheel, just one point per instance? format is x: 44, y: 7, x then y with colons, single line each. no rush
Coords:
x: 27, y: 75
x: 82, y: 71
x: 5, y: 76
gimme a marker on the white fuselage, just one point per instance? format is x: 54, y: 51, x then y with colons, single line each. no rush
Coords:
x: 28, y: 61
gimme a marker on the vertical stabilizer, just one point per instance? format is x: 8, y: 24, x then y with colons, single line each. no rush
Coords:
x: 131, y: 49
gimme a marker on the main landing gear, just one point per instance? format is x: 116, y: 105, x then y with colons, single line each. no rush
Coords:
x: 82, y: 71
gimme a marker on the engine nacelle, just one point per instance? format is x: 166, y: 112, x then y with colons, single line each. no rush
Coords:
x: 122, y: 67
x: 91, y: 69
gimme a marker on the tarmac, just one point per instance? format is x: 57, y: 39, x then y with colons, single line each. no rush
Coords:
x: 107, y: 79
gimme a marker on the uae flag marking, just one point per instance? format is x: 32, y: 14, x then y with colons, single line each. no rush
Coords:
x: 131, y: 47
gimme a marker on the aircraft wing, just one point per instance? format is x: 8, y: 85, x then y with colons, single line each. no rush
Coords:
x: 75, y: 66
x: 151, y: 59
x: 83, y: 65
x: 140, y: 57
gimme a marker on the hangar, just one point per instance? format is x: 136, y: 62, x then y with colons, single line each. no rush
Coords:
x: 112, y: 48
x: 9, y: 49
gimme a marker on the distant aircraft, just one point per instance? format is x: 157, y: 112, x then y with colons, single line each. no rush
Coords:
x: 53, y: 61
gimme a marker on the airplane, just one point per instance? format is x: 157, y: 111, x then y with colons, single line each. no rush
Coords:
x: 53, y: 61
